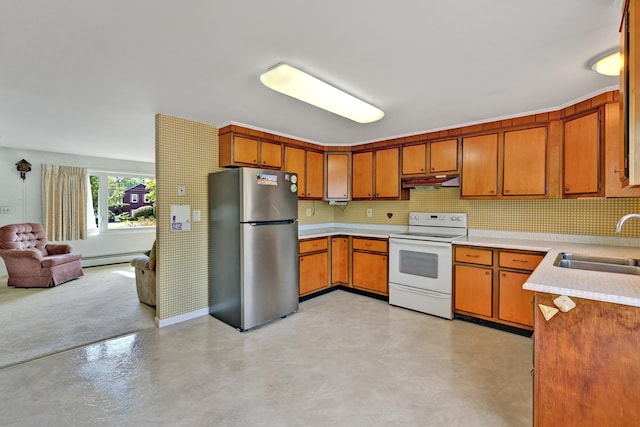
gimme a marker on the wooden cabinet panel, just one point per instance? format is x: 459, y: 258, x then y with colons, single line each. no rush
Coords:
x: 480, y: 165
x: 473, y: 289
x: 339, y: 260
x: 362, y: 175
x: 371, y: 245
x: 414, y: 159
x: 519, y: 261
x: 474, y: 256
x: 295, y: 161
x: 313, y: 272
x: 582, y: 155
x: 516, y: 304
x: 613, y: 154
x: 586, y: 365
x: 245, y: 150
x: 313, y: 245
x: 524, y: 164
x: 387, y: 173
x: 443, y: 156
x: 370, y: 272
x: 270, y: 155
x: 337, y: 178
x: 315, y: 175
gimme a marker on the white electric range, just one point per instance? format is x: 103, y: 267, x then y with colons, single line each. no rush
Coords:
x: 420, y: 262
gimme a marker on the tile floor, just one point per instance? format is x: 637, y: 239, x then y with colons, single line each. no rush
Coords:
x: 341, y: 360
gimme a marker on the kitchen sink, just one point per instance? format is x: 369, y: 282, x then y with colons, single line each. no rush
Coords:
x: 598, y: 263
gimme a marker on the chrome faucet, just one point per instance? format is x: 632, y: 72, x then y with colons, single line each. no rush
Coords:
x: 624, y: 219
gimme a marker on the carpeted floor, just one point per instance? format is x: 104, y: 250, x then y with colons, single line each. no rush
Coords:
x: 37, y: 322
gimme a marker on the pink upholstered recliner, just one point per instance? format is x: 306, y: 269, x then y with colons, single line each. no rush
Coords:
x: 34, y: 263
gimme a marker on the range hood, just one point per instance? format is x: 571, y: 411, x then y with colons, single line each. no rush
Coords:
x: 432, y: 182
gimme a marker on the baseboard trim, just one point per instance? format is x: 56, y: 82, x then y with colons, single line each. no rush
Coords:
x: 182, y: 317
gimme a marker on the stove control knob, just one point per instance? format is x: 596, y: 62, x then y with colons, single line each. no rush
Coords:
x: 414, y: 217
x: 455, y: 218
x: 458, y: 218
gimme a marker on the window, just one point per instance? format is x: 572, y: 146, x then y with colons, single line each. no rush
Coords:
x: 114, y: 197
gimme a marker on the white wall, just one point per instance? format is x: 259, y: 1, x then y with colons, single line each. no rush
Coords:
x: 25, y: 201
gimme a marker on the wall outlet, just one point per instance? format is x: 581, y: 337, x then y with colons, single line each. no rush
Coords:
x: 182, y: 190
x: 5, y: 209
x: 369, y: 212
x: 308, y: 211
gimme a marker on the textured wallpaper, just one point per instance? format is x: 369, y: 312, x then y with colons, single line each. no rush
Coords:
x: 186, y: 152
x: 592, y: 216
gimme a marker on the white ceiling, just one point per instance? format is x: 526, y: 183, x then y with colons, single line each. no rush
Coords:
x: 89, y: 76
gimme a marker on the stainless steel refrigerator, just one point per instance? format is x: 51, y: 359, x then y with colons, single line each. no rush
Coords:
x: 253, y: 246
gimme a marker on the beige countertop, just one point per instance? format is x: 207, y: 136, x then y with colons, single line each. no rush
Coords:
x: 599, y: 286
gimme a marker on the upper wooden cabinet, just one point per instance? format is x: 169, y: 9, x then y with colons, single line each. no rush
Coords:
x: 524, y: 162
x: 429, y: 158
x: 376, y: 175
x: 362, y: 175
x: 387, y: 173
x: 480, y: 165
x: 414, y: 159
x: 614, y: 182
x: 582, y: 155
x: 242, y: 150
x: 338, y: 169
x: 630, y: 94
x: 309, y: 165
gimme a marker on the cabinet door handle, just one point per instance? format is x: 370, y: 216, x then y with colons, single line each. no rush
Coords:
x: 486, y: 273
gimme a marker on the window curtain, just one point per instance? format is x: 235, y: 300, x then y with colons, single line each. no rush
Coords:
x: 64, y: 202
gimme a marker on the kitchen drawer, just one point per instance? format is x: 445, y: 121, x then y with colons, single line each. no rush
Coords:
x: 370, y: 245
x: 474, y: 256
x: 519, y: 261
x: 314, y: 245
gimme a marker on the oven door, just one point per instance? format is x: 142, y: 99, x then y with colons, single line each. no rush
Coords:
x: 421, y: 264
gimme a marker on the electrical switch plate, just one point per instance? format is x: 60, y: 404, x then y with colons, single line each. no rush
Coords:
x: 548, y: 312
x: 5, y: 209
x: 196, y: 215
x: 182, y: 190
x: 564, y: 303
x: 308, y: 211
x: 369, y: 212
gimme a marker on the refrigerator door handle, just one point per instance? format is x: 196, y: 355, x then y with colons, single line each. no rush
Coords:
x: 258, y: 224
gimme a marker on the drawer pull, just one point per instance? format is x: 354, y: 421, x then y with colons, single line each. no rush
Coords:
x: 472, y: 256
x: 520, y: 260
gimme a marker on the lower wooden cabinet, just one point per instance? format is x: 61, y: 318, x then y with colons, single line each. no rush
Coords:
x: 340, y: 260
x: 488, y: 284
x: 474, y: 290
x: 369, y: 262
x: 314, y: 265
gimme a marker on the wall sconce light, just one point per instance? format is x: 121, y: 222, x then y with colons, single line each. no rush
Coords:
x: 23, y: 167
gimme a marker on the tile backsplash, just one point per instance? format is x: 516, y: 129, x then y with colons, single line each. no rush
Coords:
x: 589, y: 216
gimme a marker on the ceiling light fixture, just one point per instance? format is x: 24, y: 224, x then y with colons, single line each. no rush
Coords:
x: 290, y: 81
x: 607, y: 63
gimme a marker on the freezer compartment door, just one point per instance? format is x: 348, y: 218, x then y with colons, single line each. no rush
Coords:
x: 268, y: 195
x: 270, y: 282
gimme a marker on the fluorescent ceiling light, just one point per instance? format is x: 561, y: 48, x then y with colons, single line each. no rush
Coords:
x: 289, y: 80
x: 607, y: 64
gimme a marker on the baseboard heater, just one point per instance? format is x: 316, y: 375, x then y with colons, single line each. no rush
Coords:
x: 91, y: 261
